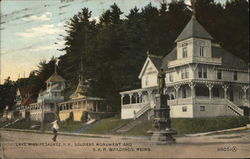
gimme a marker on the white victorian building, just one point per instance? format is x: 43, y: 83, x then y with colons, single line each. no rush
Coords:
x: 202, y: 80
x: 46, y: 101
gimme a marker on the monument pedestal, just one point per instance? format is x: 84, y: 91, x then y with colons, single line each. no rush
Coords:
x: 162, y: 132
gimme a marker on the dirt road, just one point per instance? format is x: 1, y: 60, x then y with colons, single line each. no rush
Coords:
x: 33, y: 145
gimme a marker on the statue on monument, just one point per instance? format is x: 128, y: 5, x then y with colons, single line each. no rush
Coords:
x: 161, y: 81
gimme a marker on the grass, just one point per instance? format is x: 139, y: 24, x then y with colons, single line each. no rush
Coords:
x: 105, y: 126
x: 66, y: 126
x: 22, y: 124
x: 196, y: 125
x: 3, y: 123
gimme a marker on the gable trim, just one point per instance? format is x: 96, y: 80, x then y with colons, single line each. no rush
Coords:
x: 145, y: 66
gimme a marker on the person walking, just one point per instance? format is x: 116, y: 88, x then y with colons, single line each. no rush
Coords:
x: 55, y: 128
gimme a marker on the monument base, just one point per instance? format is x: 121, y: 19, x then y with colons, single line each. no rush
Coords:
x: 163, y: 137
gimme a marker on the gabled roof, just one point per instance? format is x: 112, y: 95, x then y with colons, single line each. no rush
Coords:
x: 28, y: 101
x: 228, y: 59
x: 55, y: 78
x: 193, y: 29
x: 157, y: 61
x: 25, y: 90
x: 169, y: 57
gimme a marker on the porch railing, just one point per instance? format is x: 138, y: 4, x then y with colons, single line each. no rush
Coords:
x: 234, y: 107
x: 142, y: 110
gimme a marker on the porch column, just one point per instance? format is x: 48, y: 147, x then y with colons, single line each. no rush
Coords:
x: 140, y: 97
x: 192, y: 86
x: 176, y: 87
x: 136, y: 98
x: 130, y: 98
x: 149, y: 95
x: 210, y: 86
x: 225, y: 87
x: 122, y: 96
x: 245, y: 92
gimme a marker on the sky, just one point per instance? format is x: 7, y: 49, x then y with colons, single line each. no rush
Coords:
x: 33, y: 30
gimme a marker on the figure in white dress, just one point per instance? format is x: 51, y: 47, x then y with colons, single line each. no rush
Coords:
x: 55, y: 128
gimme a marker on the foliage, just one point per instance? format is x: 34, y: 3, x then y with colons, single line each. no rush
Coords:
x: 7, y: 94
x: 84, y: 116
x: 71, y: 117
x: 113, y: 50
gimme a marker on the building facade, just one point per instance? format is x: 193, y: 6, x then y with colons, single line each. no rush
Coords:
x: 202, y: 80
x: 45, y: 107
x: 79, y: 104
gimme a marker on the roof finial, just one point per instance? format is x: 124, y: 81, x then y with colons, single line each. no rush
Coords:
x: 193, y: 2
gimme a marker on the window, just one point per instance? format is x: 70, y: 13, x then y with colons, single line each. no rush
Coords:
x: 202, y: 51
x: 184, y: 52
x: 184, y: 93
x: 184, y: 73
x: 202, y: 108
x: 184, y: 109
x: 171, y: 79
x: 146, y: 80
x: 218, y: 74
x: 202, y: 72
x: 235, y: 75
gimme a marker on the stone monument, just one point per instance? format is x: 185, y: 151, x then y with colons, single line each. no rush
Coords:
x: 162, y: 132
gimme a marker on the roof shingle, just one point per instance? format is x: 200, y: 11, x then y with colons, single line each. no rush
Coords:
x: 193, y: 29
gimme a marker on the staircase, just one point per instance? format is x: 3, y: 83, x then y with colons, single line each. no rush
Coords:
x: 125, y: 128
x: 85, y: 126
x: 237, y: 110
x: 10, y: 123
x: 142, y: 111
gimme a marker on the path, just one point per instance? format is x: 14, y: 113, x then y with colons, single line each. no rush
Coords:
x: 18, y: 145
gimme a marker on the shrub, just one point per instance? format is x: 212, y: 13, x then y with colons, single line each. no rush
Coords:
x: 71, y: 117
x: 84, y: 116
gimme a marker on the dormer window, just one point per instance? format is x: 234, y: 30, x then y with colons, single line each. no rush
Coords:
x: 218, y: 74
x: 184, y: 52
x: 235, y: 75
x: 201, y: 50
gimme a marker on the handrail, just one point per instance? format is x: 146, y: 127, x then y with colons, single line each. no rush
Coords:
x: 142, y: 110
x: 234, y: 107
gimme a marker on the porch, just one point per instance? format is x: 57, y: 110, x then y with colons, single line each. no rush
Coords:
x: 192, y: 93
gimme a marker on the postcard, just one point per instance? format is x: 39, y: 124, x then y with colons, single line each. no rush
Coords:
x: 124, y: 79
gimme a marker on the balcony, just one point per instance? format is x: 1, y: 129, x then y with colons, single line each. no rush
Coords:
x: 194, y: 59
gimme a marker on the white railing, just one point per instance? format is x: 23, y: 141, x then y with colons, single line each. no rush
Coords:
x: 133, y: 106
x: 234, y: 107
x: 180, y: 101
x: 194, y: 59
x: 142, y: 111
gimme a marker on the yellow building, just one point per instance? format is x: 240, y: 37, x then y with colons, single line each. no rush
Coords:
x: 81, y: 105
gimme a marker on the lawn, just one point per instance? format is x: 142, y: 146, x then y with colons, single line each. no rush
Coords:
x: 195, y: 125
x: 22, y: 124
x: 105, y: 126
x: 66, y: 126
